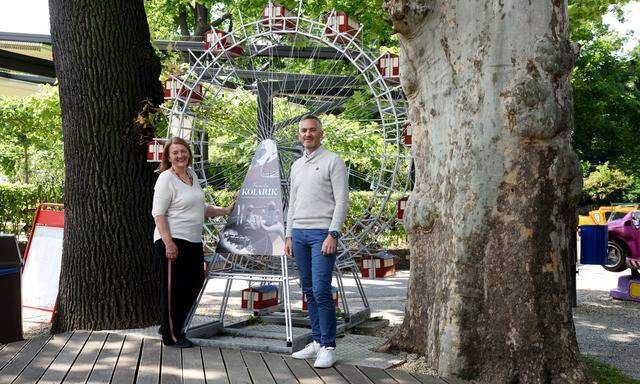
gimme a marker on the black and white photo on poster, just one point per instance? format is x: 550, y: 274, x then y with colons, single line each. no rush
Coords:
x: 256, y: 224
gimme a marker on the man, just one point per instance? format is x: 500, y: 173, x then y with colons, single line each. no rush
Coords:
x: 318, y: 204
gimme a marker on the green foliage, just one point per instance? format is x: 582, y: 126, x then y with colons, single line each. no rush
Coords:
x: 586, y: 15
x: 256, y: 320
x: 394, y: 236
x: 18, y: 203
x: 607, y: 103
x: 606, y: 374
x: 163, y: 15
x: 606, y: 185
x: 31, y: 138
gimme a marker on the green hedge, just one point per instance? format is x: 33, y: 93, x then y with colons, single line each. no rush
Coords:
x: 18, y: 203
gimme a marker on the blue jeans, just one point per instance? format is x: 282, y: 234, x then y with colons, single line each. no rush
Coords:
x: 315, y: 271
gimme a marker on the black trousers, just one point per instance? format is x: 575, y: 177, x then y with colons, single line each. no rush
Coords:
x: 182, y: 280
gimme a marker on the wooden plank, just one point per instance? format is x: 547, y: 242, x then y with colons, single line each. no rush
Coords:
x: 257, y: 368
x: 328, y: 375
x: 352, y: 374
x: 214, y: 370
x: 125, y: 372
x: 237, y: 371
x: 39, y: 365
x: 192, y: 369
x: 9, y: 351
x: 22, y: 359
x: 63, y: 362
x: 402, y: 377
x: 279, y: 369
x: 149, y: 367
x: 171, y: 367
x: 377, y: 375
x: 427, y: 379
x: 302, y: 371
x: 81, y: 368
x: 452, y: 380
x: 106, y: 363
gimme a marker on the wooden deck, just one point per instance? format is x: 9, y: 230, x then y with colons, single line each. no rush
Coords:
x: 97, y: 357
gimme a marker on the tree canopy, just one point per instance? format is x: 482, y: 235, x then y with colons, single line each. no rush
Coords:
x: 170, y: 18
x: 607, y: 103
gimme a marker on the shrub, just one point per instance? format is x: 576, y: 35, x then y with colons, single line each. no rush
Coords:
x: 18, y: 203
x: 606, y: 185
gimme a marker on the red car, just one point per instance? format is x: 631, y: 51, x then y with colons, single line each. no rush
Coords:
x: 624, y: 244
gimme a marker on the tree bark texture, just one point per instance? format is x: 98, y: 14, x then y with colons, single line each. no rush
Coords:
x: 202, y: 21
x: 492, y: 213
x: 106, y: 70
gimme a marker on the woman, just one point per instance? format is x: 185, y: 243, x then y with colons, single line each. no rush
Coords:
x: 179, y: 210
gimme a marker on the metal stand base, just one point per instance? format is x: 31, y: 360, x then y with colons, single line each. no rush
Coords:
x: 282, y: 329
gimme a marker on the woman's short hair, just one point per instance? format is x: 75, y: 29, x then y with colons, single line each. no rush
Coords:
x: 166, y: 164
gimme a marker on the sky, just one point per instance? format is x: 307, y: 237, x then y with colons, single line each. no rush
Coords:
x: 25, y: 16
x: 32, y: 16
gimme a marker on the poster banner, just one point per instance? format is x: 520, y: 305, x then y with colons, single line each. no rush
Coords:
x: 256, y: 224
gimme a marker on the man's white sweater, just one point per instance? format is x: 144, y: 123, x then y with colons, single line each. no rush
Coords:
x: 319, y: 193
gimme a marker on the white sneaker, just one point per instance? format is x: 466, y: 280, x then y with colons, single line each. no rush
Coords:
x: 311, y: 350
x: 326, y: 357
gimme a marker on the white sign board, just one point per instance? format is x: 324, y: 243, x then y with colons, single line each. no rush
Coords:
x: 41, y: 274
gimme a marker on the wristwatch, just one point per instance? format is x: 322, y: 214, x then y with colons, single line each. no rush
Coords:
x: 335, y: 234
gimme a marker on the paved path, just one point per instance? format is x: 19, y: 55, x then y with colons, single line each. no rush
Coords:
x: 102, y: 357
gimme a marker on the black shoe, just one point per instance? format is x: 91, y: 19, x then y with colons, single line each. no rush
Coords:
x: 184, y: 343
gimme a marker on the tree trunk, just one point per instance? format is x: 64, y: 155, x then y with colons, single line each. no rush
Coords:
x: 106, y: 70
x: 26, y: 163
x: 202, y: 21
x: 183, y: 24
x: 492, y: 214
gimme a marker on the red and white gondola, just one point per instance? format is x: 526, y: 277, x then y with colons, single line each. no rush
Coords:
x: 174, y: 87
x: 276, y: 16
x: 401, y: 205
x: 220, y: 41
x: 407, y: 133
x: 155, y: 149
x: 389, y: 67
x: 342, y: 27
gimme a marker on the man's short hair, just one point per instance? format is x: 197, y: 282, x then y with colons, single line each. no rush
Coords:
x: 311, y: 116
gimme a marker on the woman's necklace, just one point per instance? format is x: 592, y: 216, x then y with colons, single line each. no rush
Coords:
x: 188, y: 181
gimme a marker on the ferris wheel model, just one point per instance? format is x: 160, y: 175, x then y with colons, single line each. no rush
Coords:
x: 282, y: 67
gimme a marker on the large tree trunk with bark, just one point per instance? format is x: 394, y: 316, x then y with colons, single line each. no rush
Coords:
x: 106, y: 70
x: 492, y: 215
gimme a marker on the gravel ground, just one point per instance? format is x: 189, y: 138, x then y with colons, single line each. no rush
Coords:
x: 607, y: 329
